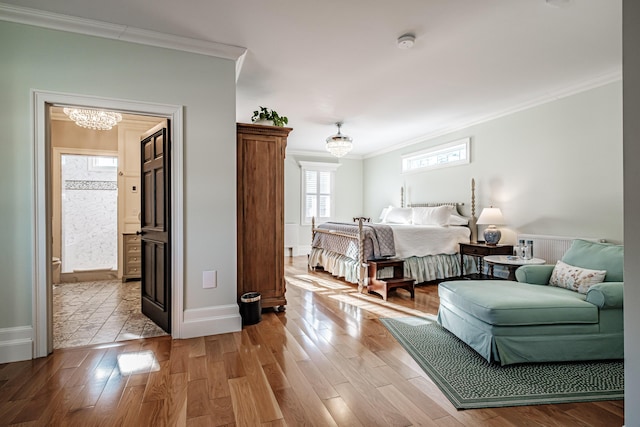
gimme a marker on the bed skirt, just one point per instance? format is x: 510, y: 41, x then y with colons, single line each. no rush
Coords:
x: 422, y: 269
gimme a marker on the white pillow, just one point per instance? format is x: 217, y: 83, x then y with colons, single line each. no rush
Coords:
x: 456, y: 219
x: 383, y: 214
x: 398, y: 216
x: 575, y: 278
x: 437, y: 215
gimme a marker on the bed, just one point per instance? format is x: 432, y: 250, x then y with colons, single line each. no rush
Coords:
x: 422, y: 235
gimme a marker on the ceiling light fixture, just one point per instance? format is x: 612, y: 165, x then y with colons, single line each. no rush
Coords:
x: 93, y: 119
x: 339, y: 144
x: 406, y: 41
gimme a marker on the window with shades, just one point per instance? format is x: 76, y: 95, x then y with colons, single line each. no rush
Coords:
x: 318, y: 183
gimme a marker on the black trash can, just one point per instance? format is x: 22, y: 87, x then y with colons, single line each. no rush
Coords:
x: 250, y: 308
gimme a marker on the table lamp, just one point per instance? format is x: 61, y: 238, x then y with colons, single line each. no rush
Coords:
x: 491, y: 216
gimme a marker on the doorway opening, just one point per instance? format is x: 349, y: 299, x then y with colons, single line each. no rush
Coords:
x: 43, y: 184
x: 95, y: 181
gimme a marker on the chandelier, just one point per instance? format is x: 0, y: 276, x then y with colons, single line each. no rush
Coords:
x: 339, y: 144
x: 93, y: 119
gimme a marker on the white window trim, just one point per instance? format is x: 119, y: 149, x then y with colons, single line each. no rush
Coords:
x: 316, y: 166
x: 434, y: 151
x: 95, y: 166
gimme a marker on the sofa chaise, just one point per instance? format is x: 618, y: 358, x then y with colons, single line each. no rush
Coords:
x: 533, y: 321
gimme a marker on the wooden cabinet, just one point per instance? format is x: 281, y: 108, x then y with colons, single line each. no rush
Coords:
x: 260, y: 198
x: 131, y: 256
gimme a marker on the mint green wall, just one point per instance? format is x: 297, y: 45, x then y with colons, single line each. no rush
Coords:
x: 553, y: 169
x: 292, y: 192
x: 348, y: 192
x: 349, y: 184
x: 48, y: 60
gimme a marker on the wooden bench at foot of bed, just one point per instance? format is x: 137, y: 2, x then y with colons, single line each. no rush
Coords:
x: 383, y: 286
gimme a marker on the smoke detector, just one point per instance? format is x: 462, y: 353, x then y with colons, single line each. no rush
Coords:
x: 558, y: 3
x: 406, y: 41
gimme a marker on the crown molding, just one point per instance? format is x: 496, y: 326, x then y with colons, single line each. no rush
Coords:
x: 90, y: 27
x: 583, y: 86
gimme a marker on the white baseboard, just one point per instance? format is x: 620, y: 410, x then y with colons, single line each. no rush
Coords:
x: 199, y: 322
x: 297, y: 250
x: 303, y: 250
x: 16, y: 344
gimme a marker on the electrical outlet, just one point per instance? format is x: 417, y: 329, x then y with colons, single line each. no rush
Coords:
x: 209, y: 279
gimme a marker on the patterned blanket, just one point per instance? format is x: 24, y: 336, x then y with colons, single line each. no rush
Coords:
x: 378, y: 240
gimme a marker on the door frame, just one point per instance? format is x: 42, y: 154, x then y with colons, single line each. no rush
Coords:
x: 42, y: 313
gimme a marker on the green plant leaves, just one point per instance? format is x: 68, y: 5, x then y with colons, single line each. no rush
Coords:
x: 264, y: 113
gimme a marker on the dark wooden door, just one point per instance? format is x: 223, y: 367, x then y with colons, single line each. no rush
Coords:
x: 155, y: 225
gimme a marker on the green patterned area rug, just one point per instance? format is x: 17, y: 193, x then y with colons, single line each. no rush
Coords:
x: 469, y: 381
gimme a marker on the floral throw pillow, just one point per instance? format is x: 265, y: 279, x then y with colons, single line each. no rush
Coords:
x: 575, y: 278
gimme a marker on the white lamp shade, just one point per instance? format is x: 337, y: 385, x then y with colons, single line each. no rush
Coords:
x: 492, y: 216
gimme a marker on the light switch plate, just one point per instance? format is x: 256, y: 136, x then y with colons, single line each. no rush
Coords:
x: 209, y: 279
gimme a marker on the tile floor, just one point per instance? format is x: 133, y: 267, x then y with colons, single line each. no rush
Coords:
x: 99, y: 312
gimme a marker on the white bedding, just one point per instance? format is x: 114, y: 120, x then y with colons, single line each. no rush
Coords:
x: 424, y: 240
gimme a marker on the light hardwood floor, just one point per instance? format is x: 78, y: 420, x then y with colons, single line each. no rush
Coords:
x: 326, y: 361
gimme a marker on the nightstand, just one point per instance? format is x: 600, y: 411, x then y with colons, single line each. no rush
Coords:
x: 480, y: 250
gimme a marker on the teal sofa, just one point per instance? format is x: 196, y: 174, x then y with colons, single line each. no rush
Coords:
x: 530, y: 321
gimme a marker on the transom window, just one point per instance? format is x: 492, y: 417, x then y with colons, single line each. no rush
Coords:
x: 102, y: 163
x: 318, y: 183
x: 450, y: 154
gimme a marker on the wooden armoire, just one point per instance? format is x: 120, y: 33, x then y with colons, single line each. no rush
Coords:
x: 260, y: 169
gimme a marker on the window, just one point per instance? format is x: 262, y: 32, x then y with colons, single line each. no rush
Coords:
x: 450, y: 154
x: 318, y: 182
x: 103, y: 164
